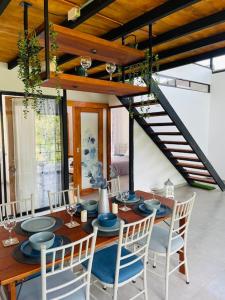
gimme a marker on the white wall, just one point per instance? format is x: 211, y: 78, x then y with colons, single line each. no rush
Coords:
x: 191, y: 106
x: 217, y: 123
x: 151, y: 167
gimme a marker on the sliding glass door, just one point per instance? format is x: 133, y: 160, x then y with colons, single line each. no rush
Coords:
x: 32, y: 150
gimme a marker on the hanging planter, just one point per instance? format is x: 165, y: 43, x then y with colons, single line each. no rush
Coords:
x: 30, y: 69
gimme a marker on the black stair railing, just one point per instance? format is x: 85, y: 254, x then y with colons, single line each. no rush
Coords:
x: 162, y: 100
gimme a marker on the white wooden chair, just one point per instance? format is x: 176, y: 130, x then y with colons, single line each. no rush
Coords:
x: 173, y: 240
x: 57, y: 280
x: 20, y: 209
x: 113, y: 186
x: 122, y: 263
x: 59, y: 200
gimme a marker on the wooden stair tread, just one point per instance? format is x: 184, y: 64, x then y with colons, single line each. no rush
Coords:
x: 73, y: 41
x: 197, y: 173
x: 161, y: 124
x: 174, y: 142
x: 189, y: 165
x: 179, y: 150
x: 206, y: 180
x: 142, y: 103
x: 87, y: 84
x: 153, y: 114
x: 167, y: 133
x: 189, y: 158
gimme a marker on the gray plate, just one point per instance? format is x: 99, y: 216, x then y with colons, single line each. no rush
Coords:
x: 38, y: 224
x: 136, y: 199
x: 107, y: 229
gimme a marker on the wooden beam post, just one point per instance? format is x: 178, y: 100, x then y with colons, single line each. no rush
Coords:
x: 47, y: 39
x: 131, y: 152
x: 64, y: 135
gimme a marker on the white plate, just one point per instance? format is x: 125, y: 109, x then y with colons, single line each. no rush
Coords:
x: 38, y: 224
x: 107, y: 229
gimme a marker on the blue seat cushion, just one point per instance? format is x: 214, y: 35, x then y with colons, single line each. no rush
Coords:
x: 31, y: 289
x: 160, y: 239
x: 104, y: 265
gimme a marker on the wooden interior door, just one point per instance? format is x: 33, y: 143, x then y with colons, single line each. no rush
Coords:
x: 88, y: 144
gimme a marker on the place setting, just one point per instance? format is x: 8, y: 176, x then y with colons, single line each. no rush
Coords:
x: 37, y: 224
x: 127, y: 198
x: 87, y: 209
x: 108, y: 224
x: 146, y: 207
x: 29, y: 251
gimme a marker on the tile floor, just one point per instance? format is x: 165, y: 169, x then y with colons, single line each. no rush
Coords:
x: 206, y: 253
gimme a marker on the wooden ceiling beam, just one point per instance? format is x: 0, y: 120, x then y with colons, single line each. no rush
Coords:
x: 192, y: 59
x: 149, y: 17
x: 192, y: 46
x: 87, y: 12
x: 186, y: 29
x: 3, y: 5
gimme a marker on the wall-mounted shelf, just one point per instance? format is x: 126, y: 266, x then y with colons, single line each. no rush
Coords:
x: 75, y: 42
x: 87, y: 84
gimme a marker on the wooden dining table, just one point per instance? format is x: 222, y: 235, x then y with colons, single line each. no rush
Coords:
x: 12, y: 272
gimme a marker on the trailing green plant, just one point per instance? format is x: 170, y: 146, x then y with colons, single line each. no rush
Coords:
x: 30, y: 71
x: 141, y: 74
x: 30, y: 68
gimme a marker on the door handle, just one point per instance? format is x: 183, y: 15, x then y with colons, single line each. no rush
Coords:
x: 78, y: 150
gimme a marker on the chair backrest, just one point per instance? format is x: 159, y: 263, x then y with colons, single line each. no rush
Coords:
x: 113, y: 186
x: 180, y: 219
x: 20, y: 209
x: 65, y: 258
x: 129, y: 236
x: 59, y: 200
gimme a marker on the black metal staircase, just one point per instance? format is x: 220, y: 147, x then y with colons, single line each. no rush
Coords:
x: 165, y: 128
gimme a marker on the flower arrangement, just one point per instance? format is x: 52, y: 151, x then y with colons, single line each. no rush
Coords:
x: 97, y: 179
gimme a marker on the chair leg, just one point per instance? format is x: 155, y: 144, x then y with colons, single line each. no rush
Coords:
x: 115, y: 292
x: 87, y: 292
x: 186, y: 266
x: 154, y: 260
x: 167, y: 277
x: 145, y: 284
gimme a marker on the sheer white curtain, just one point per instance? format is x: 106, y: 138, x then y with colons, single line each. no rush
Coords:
x: 24, y: 150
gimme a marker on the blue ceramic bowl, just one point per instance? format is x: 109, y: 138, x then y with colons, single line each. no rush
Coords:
x: 90, y: 205
x: 151, y: 204
x: 107, y: 220
x: 42, y: 238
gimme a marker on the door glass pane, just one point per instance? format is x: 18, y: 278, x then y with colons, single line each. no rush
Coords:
x: 33, y: 151
x: 89, y: 146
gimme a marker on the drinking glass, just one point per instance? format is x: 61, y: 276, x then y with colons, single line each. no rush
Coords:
x: 71, y: 210
x: 85, y: 62
x: 110, y: 68
x: 9, y: 223
x: 124, y: 198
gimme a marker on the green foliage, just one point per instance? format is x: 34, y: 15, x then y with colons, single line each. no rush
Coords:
x: 48, y: 138
x: 30, y: 68
x: 29, y: 71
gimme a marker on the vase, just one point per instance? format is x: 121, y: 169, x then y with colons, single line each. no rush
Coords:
x: 103, y: 204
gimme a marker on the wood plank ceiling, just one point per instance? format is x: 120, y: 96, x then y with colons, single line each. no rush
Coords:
x: 172, y: 35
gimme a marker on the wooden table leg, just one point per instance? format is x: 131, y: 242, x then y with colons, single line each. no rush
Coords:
x: 12, y: 290
x: 181, y: 254
x: 181, y: 258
